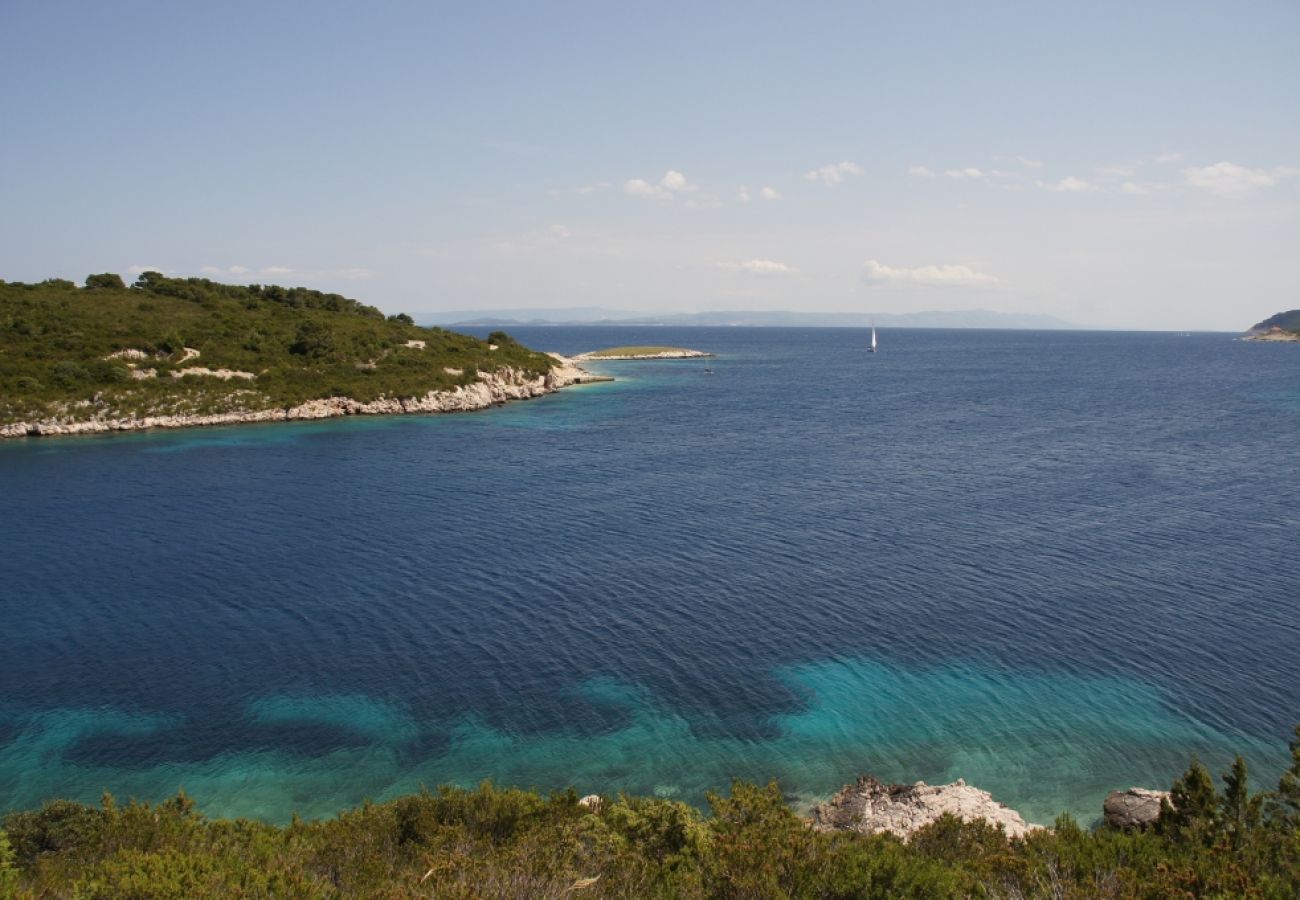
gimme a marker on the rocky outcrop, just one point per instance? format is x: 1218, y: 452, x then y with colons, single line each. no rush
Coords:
x: 223, y: 374
x: 1275, y: 335
x: 492, y: 389
x: 1134, y: 808
x: 870, y: 807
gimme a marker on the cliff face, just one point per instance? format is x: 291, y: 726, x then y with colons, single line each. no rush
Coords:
x: 492, y: 389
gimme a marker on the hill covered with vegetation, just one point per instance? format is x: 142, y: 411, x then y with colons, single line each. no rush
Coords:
x: 1287, y: 321
x: 492, y: 842
x: 189, y: 346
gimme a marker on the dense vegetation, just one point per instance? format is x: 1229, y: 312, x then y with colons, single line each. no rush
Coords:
x: 57, y: 346
x: 492, y: 842
x: 1287, y: 321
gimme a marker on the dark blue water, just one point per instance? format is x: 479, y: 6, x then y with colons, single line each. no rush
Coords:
x: 1050, y: 563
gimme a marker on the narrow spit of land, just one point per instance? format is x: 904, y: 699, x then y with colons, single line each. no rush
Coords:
x: 643, y: 352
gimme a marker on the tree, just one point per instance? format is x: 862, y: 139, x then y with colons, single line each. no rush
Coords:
x: 313, y: 339
x: 402, y: 319
x: 1285, y: 805
x: 106, y: 280
x: 149, y: 280
x: 1240, y: 811
x: 1192, y: 809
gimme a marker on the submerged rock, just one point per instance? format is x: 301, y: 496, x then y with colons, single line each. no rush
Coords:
x: 870, y: 806
x: 1134, y: 808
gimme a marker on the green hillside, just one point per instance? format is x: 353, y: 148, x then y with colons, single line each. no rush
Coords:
x: 1287, y: 321
x: 58, y: 340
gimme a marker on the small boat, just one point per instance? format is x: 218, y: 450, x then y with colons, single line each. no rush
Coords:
x: 872, y: 349
x: 708, y: 371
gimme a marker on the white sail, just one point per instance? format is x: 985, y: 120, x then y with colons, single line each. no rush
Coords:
x: 873, y: 338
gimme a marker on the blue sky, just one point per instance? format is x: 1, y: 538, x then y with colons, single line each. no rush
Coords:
x: 1124, y: 165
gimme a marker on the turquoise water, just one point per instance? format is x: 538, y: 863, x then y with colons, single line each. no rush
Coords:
x: 1052, y: 565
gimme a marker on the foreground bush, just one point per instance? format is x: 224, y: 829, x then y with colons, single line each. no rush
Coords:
x: 493, y: 842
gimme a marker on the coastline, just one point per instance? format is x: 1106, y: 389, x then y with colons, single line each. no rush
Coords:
x: 492, y: 389
x: 1274, y: 337
x: 664, y: 354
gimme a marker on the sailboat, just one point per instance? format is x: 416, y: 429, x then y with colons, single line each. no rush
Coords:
x: 873, y: 340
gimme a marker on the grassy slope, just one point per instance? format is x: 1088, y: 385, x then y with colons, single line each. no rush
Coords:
x: 301, y: 344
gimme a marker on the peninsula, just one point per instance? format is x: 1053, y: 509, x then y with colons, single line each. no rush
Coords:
x: 179, y: 352
x: 1283, y: 327
x: 643, y: 353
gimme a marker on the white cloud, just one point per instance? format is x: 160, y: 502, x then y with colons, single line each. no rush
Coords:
x: 593, y: 188
x: 639, y: 187
x: 676, y: 182
x: 1225, y: 179
x: 1031, y: 163
x: 876, y: 273
x: 760, y: 267
x: 968, y: 172
x: 769, y: 193
x: 742, y: 194
x: 1165, y: 158
x: 1067, y: 185
x: 833, y: 173
x: 140, y: 270
x: 920, y: 171
x: 277, y: 270
x: 672, y: 183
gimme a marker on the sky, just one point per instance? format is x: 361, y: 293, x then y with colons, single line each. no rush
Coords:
x: 1128, y: 165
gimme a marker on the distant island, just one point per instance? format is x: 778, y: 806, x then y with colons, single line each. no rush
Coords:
x: 643, y: 353
x: 586, y: 316
x: 1283, y: 327
x: 173, y: 352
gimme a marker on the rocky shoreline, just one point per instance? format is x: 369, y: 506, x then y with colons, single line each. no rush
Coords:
x: 869, y: 806
x: 1276, y: 336
x: 492, y: 389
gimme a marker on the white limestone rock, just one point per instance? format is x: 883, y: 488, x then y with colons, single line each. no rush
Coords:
x: 870, y: 806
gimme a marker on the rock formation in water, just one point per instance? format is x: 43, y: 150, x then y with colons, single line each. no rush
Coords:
x: 870, y: 806
x: 1134, y: 808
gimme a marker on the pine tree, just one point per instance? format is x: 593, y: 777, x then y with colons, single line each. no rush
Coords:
x: 1192, y: 809
x: 1240, y: 812
x: 1285, y: 806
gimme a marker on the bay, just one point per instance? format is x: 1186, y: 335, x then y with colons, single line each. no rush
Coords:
x: 1050, y: 563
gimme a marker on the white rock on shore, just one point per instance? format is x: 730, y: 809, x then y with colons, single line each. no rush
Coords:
x: 870, y: 806
x: 492, y: 388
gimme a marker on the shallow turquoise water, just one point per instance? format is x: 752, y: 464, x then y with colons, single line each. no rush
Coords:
x: 1049, y: 564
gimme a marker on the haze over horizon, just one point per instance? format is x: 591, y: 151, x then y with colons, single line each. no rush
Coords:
x: 1117, y: 166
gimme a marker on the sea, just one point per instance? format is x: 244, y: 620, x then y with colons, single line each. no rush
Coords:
x: 1052, y: 564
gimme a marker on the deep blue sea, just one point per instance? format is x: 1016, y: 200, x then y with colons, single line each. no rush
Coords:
x: 1050, y: 563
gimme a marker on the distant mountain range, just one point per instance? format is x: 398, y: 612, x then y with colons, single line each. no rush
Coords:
x: 594, y: 315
